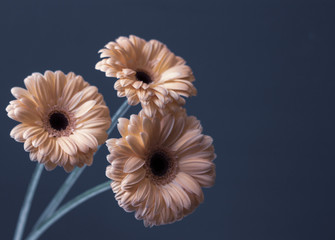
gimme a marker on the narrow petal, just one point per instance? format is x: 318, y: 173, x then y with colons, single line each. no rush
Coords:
x: 188, y: 183
x: 40, y: 139
x: 196, y: 166
x: 133, y: 164
x: 67, y: 145
x: 132, y: 178
x: 135, y: 145
x: 84, y: 108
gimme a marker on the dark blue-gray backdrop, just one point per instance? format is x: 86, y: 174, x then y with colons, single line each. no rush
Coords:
x: 266, y: 80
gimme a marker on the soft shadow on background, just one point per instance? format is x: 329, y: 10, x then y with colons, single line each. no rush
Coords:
x: 265, y: 78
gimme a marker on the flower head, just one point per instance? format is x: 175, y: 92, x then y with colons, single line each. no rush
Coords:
x: 159, y: 166
x: 63, y: 119
x: 147, y: 72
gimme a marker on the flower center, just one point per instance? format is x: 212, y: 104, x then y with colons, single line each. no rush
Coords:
x: 159, y: 163
x: 142, y: 76
x: 58, y: 121
x: 160, y: 166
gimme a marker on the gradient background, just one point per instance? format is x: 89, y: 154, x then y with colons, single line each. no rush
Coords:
x: 265, y: 75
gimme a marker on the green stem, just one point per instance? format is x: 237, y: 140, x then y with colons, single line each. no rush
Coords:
x: 27, y: 202
x: 68, y: 207
x: 72, y: 178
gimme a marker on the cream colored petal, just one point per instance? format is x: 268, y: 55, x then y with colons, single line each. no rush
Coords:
x: 82, y: 146
x: 176, y: 131
x: 68, y: 167
x: 207, y: 142
x: 145, y: 139
x: 195, y: 166
x: 137, y: 84
x: 174, y: 95
x: 19, y: 92
x: 114, y: 174
x: 23, y: 114
x: 181, y: 71
x: 133, y: 164
x: 125, y: 200
x: 133, y: 100
x: 97, y: 112
x: 49, y: 166
x: 132, y: 178
x: 188, y: 183
x: 74, y: 84
x: 40, y: 139
x: 123, y: 147
x: 47, y: 147
x: 183, y: 196
x: 135, y: 145
x: 29, y: 82
x: 63, y: 158
x: 159, y: 201
x: 141, y: 193
x: 111, y: 142
x: 149, y: 109
x: 28, y: 145
x: 166, y: 196
x: 176, y: 86
x: 187, y: 139
x: 96, y: 123
x: 133, y: 130
x: 32, y: 131
x: 29, y: 103
x: 72, y: 104
x: 42, y: 90
x: 123, y: 126
x: 83, y: 109
x: 17, y: 132
x: 32, y: 156
x: 89, y: 93
x: 160, y: 104
x: 177, y: 201
x: 60, y: 82
x: 56, y: 153
x: 147, y: 127
x: 163, y: 91
x: 74, y: 161
x: 51, y: 85
x: 167, y: 124
x: 190, y: 150
x: 205, y: 180
x: 136, y: 121
x: 150, y: 197
x: 118, y: 163
x: 207, y: 155
x: 67, y: 145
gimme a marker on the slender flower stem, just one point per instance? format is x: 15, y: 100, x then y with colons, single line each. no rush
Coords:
x: 72, y: 178
x: 68, y: 207
x: 27, y: 202
x: 58, y: 198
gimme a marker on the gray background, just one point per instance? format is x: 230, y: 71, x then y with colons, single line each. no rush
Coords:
x: 265, y: 75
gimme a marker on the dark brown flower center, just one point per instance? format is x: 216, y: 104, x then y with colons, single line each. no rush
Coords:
x: 161, y: 166
x: 159, y: 163
x: 144, y: 77
x: 58, y: 121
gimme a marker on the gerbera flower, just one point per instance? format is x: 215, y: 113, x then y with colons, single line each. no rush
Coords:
x: 159, y: 166
x: 63, y: 119
x: 148, y: 72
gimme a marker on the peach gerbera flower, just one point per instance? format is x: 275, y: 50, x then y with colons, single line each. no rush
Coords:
x: 63, y: 119
x: 159, y: 166
x: 147, y: 72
